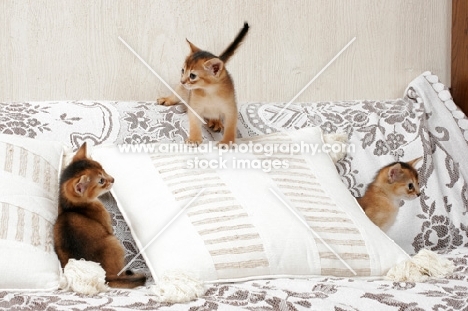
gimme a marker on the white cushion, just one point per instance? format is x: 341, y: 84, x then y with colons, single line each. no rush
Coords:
x: 28, y: 210
x: 240, y: 227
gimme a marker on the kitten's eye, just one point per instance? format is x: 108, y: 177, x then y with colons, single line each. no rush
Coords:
x: 192, y: 76
x: 410, y: 186
x: 101, y: 181
x: 182, y: 71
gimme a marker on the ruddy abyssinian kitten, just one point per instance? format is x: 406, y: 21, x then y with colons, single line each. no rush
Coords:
x: 393, y: 183
x: 207, y: 87
x: 83, y: 229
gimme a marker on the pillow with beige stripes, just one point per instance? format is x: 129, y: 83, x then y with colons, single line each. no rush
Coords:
x: 269, y: 206
x: 28, y: 209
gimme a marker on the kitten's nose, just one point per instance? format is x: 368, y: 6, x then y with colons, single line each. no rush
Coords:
x: 111, y: 180
x: 418, y: 194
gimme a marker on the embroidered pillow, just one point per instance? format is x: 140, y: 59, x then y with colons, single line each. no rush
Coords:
x: 274, y: 206
x: 426, y: 122
x: 28, y: 209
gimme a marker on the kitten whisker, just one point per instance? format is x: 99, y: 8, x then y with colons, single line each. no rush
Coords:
x: 83, y: 228
x: 209, y: 88
x: 392, y: 183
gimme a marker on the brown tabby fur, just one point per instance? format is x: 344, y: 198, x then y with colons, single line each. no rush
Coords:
x: 207, y: 85
x: 83, y: 228
x: 393, y: 183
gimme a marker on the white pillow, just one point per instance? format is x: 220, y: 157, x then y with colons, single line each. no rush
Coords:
x: 28, y: 210
x: 240, y: 226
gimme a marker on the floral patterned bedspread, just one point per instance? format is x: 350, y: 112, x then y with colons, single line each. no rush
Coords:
x: 324, y: 293
x: 425, y: 122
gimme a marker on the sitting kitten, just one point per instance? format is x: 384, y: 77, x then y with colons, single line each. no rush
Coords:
x: 394, y: 182
x: 83, y: 228
x: 210, y: 91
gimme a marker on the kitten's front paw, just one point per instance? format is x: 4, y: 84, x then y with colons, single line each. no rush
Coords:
x: 215, y: 125
x: 193, y: 142
x: 166, y: 101
x: 224, y: 144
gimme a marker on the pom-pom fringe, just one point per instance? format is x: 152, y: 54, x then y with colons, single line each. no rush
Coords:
x: 84, y: 277
x: 424, y: 265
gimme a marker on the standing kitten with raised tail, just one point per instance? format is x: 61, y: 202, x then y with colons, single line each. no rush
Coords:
x: 393, y: 183
x: 83, y: 229
x: 208, y: 89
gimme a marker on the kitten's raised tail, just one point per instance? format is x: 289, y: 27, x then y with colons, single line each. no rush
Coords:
x: 233, y: 46
x: 128, y: 280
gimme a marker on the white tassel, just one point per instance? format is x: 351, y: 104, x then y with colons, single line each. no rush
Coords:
x: 340, y: 139
x: 177, y: 287
x: 84, y: 277
x: 422, y: 266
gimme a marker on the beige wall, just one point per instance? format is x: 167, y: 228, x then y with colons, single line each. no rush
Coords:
x: 69, y: 49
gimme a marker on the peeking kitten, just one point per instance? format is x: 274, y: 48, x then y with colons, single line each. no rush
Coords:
x: 207, y: 85
x: 83, y: 228
x: 393, y: 183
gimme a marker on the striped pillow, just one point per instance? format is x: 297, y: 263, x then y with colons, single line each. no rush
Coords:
x: 273, y: 206
x: 28, y: 209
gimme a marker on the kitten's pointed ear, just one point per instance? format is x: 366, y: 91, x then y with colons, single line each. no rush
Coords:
x: 414, y: 162
x: 213, y: 66
x: 81, y: 153
x: 82, y: 185
x: 394, y: 173
x: 193, y: 48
